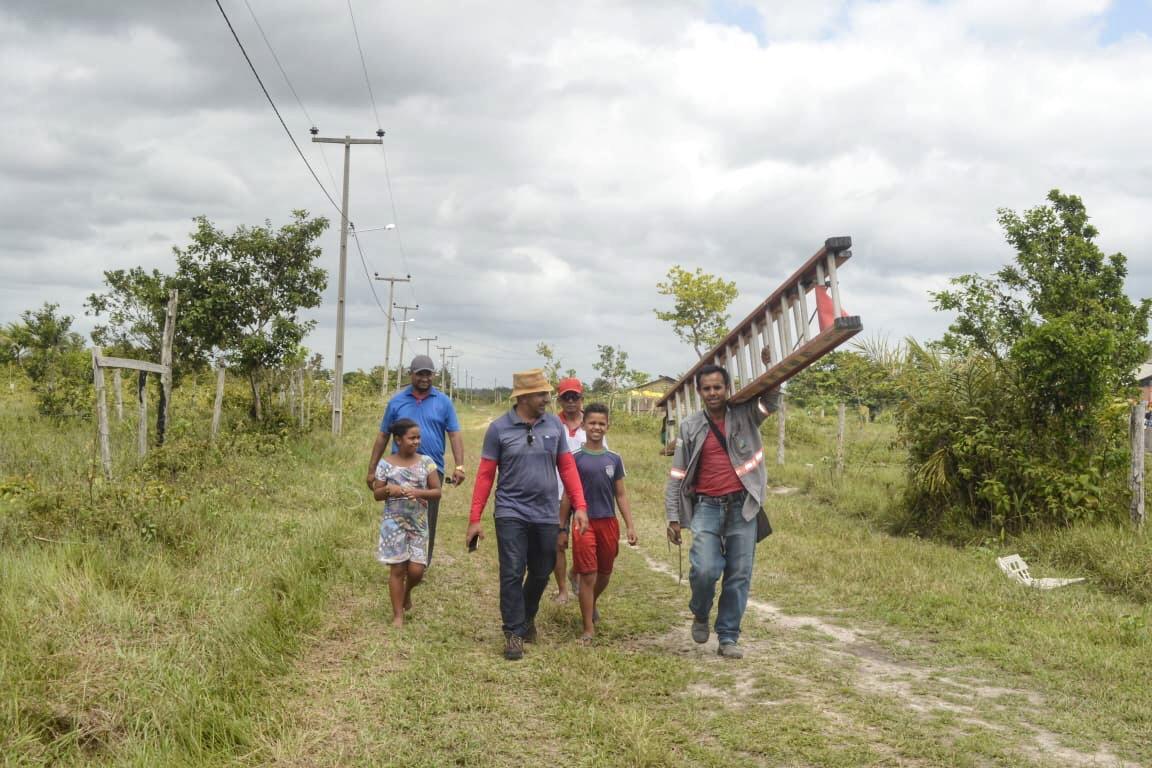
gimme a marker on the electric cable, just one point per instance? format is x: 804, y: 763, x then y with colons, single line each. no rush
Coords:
x: 279, y: 117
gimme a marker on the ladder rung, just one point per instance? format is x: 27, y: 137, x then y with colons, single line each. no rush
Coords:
x: 777, y: 340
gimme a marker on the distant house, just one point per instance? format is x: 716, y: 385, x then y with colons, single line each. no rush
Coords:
x: 642, y: 398
x: 1144, y: 381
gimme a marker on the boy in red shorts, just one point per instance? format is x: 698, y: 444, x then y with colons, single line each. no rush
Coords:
x: 594, y: 551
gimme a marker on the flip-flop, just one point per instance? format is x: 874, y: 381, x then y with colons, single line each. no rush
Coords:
x: 586, y: 639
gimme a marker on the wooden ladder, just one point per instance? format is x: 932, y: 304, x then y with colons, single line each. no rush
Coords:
x: 798, y: 324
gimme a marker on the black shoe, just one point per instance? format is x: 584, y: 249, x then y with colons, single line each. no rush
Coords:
x: 700, y: 629
x: 530, y: 633
x: 514, y: 647
x: 730, y: 651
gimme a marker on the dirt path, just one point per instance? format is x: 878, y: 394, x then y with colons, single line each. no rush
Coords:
x: 922, y: 691
x: 810, y: 692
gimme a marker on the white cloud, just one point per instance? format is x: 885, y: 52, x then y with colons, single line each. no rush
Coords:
x: 551, y: 163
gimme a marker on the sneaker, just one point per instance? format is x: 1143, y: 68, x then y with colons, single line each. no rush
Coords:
x: 700, y: 630
x: 514, y: 647
x: 530, y: 633
x: 730, y: 651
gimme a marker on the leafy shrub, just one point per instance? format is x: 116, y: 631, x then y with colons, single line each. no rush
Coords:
x: 1014, y: 420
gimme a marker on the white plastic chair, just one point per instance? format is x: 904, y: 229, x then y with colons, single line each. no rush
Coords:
x: 1017, y: 570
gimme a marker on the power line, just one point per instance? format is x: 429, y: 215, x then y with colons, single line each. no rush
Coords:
x: 364, y: 262
x: 300, y: 103
x: 364, y: 64
x: 395, y: 217
x: 268, y: 96
x: 387, y: 173
x: 288, y: 82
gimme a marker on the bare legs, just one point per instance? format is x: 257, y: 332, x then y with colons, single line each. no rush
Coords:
x: 591, y: 586
x: 560, y: 571
x: 402, y: 579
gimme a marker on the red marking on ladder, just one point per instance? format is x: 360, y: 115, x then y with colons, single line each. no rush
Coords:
x: 824, y: 310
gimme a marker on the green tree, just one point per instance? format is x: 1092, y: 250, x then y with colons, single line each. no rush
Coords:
x: 615, y: 374
x: 54, y: 358
x: 1014, y: 419
x: 241, y: 293
x: 847, y: 376
x: 700, y: 305
x: 551, y: 362
x: 135, y: 304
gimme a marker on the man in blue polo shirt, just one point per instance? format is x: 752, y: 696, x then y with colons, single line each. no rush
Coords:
x: 433, y: 411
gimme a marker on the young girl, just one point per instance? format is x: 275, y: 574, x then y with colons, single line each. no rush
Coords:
x: 404, y: 482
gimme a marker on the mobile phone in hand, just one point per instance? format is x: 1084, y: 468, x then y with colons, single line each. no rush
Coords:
x: 472, y: 542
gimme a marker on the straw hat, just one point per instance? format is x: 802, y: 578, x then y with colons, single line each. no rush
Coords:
x: 529, y: 382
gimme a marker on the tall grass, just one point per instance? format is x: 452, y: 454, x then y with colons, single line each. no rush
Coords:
x: 144, y: 616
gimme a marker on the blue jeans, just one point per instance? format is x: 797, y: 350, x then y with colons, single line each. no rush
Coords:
x: 527, y: 556
x: 723, y: 544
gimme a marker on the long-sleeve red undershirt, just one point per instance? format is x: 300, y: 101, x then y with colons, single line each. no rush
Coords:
x: 486, y: 476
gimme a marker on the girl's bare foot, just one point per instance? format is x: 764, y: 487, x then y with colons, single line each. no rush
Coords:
x: 398, y: 621
x: 560, y: 598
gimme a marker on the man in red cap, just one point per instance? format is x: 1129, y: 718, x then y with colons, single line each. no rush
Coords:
x: 570, y: 392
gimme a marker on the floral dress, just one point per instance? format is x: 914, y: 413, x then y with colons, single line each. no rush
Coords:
x: 404, y: 526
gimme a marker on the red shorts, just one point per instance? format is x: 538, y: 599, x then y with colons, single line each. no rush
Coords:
x: 595, y: 550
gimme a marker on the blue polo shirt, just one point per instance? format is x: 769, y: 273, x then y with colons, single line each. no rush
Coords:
x: 599, y: 471
x: 435, y: 414
x: 526, y: 470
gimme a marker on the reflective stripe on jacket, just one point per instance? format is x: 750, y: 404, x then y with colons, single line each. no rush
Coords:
x: 745, y: 451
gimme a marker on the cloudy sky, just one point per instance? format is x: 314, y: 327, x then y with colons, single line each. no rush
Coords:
x: 550, y: 161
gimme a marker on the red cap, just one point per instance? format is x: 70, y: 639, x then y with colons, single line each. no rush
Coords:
x: 571, y: 384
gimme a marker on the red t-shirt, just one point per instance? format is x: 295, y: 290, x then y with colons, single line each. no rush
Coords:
x: 715, y: 476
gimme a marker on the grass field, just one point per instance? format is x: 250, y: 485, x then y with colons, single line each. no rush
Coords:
x: 222, y: 607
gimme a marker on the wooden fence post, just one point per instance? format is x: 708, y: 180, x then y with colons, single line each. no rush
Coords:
x: 118, y: 389
x: 219, y: 401
x: 781, y: 418
x: 142, y: 426
x: 840, y: 439
x: 1136, y: 480
x: 166, y: 362
x: 101, y: 413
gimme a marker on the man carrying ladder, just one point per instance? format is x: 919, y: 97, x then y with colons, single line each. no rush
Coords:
x: 715, y: 489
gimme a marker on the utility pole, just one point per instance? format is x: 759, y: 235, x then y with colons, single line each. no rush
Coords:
x: 495, y: 391
x: 443, y: 380
x: 338, y: 382
x: 427, y: 343
x: 467, y: 388
x: 403, y: 334
x: 388, y: 335
x: 455, y: 374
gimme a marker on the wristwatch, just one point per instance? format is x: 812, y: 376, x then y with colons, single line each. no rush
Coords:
x: 563, y: 529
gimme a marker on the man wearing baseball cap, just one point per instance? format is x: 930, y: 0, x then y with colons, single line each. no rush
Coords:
x: 434, y: 412
x: 570, y: 393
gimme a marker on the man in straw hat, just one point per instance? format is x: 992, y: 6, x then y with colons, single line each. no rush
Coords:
x: 523, y: 450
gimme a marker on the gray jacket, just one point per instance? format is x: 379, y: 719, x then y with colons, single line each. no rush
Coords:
x: 745, y: 451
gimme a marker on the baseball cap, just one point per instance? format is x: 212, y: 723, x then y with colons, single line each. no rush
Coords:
x: 571, y: 384
x: 422, y: 363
